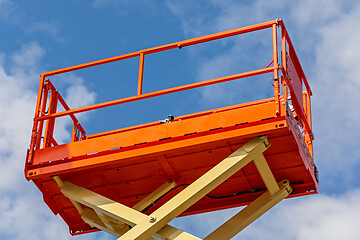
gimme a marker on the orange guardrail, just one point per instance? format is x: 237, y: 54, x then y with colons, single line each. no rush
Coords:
x: 289, y: 69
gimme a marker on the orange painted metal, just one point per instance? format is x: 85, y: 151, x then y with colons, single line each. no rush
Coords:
x: 127, y: 164
x: 159, y: 93
x: 141, y: 74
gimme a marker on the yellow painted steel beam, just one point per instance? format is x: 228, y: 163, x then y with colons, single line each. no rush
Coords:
x: 90, y: 217
x: 150, y: 199
x: 118, y: 211
x: 111, y: 223
x: 198, y: 189
x: 118, y: 226
x: 100, y: 203
x: 111, y: 216
x: 60, y: 183
x: 171, y: 233
x: 250, y: 213
x: 266, y: 174
x: 168, y: 232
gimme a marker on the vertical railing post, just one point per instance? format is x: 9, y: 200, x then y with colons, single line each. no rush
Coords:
x: 74, y: 132
x: 141, y: 74
x: 50, y: 125
x: 307, y: 111
x: 283, y: 62
x: 41, y: 111
x: 34, y: 133
x: 276, y: 70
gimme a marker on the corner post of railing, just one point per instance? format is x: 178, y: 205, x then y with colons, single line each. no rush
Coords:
x: 42, y: 112
x: 141, y: 73
x: 50, y: 124
x: 276, y: 69
x: 283, y: 61
x: 34, y: 134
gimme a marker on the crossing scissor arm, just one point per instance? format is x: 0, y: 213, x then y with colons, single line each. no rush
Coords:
x: 130, y: 223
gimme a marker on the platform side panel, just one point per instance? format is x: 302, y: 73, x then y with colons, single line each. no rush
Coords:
x: 295, y: 81
x: 156, y: 132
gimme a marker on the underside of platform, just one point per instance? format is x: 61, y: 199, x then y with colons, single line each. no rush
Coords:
x: 128, y: 164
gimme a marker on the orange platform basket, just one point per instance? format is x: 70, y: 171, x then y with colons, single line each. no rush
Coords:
x: 127, y: 164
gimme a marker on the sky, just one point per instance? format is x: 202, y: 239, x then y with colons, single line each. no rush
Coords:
x: 39, y: 36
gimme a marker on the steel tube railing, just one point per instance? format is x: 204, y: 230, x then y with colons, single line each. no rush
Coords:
x: 159, y: 93
x: 180, y: 44
x: 304, y: 115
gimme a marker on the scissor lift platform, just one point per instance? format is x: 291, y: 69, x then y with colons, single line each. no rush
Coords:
x: 147, y: 166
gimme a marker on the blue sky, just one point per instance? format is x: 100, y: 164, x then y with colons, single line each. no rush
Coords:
x: 39, y: 36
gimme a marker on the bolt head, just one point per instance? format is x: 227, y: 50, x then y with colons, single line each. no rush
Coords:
x: 152, y: 219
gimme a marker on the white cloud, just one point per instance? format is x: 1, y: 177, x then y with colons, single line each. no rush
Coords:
x: 16, y: 109
x: 50, y: 28
x: 19, y: 202
x: 326, y: 36
x: 9, y: 11
x: 232, y: 55
x: 336, y: 86
x: 325, y: 217
x: 76, y: 95
x: 192, y: 15
x: 199, y: 19
x: 235, y: 60
x: 22, y: 211
x: 314, y: 217
x: 28, y: 57
x: 307, y: 218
